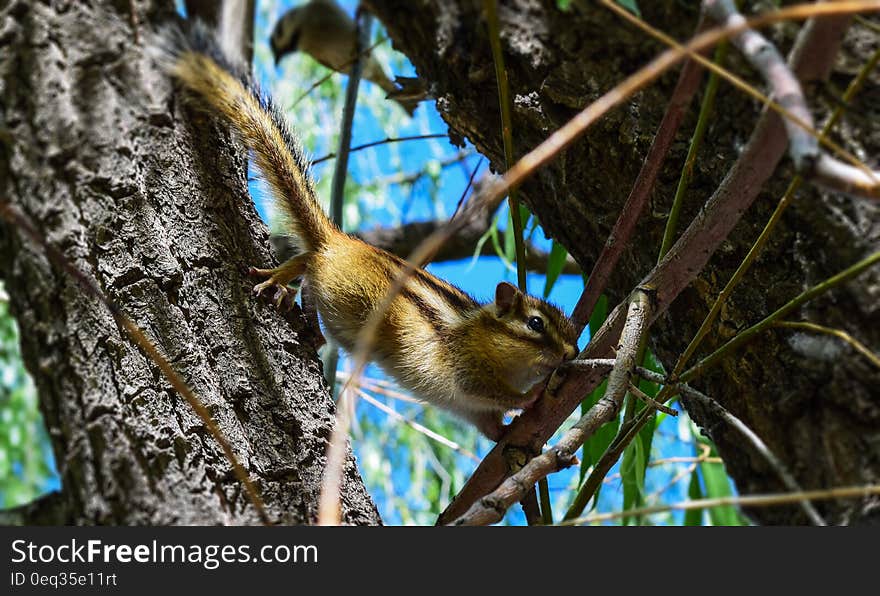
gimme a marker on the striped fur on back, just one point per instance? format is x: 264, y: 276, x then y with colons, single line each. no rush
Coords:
x: 476, y: 360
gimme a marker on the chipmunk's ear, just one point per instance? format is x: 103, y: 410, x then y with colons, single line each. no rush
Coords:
x: 507, y: 297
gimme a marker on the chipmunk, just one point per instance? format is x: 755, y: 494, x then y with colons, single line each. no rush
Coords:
x: 324, y: 31
x: 475, y: 360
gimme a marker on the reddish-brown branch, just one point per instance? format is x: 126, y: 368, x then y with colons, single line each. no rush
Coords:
x: 812, y: 58
x: 687, y: 85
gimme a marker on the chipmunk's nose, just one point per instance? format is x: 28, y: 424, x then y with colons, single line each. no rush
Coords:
x: 571, y: 351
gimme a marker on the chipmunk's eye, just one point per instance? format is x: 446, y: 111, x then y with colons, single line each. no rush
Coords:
x: 536, y: 324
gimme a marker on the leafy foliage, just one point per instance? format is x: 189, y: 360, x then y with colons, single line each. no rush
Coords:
x: 25, y: 456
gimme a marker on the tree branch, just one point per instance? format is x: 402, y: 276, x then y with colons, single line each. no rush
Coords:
x: 812, y: 56
x: 687, y: 85
x: 809, y: 160
x: 847, y: 492
x: 689, y: 393
x: 491, y: 508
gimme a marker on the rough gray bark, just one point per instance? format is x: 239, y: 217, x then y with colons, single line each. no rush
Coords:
x: 812, y: 399
x: 99, y: 151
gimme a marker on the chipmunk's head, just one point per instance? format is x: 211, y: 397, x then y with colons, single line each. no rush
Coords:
x: 537, y: 337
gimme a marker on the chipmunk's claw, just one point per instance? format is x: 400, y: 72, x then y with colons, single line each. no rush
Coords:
x: 282, y: 297
x: 266, y: 285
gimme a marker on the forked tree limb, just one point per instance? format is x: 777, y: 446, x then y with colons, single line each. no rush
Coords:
x: 811, y: 58
x: 809, y: 160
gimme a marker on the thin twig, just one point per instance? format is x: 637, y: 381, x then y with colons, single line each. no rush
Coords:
x: 759, y: 445
x: 625, y: 435
x: 650, y: 401
x: 768, y: 500
x: 856, y: 344
x: 687, y: 170
x: 491, y: 8
x: 791, y: 305
x: 699, y: 459
x: 345, y: 65
x: 137, y: 335
x: 385, y: 141
x: 329, y: 504
x: 867, y: 24
x: 467, y: 188
x: 403, y: 178
x: 133, y: 20
x: 781, y: 470
x: 590, y: 363
x: 681, y: 475
x: 394, y: 414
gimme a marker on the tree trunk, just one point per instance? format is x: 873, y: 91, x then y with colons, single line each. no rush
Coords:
x: 99, y: 151
x: 811, y: 398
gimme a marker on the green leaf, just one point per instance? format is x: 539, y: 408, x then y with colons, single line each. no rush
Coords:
x: 509, y: 240
x: 631, y: 6
x: 694, y: 517
x: 600, y: 313
x: 563, y: 4
x: 496, y: 244
x: 718, y: 486
x: 632, y: 472
x: 555, y: 263
x: 524, y: 216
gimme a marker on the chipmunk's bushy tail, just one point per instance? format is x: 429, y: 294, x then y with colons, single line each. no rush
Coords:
x: 225, y: 88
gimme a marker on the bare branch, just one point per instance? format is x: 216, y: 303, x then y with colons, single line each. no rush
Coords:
x: 856, y: 344
x: 808, y: 159
x: 687, y: 85
x: 385, y: 141
x: 788, y: 480
x: 848, y: 492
